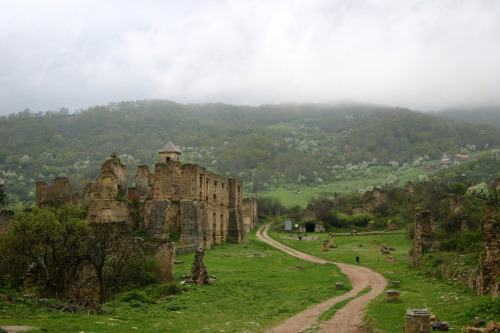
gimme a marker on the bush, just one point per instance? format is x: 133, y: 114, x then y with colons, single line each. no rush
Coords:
x: 471, y: 241
x: 170, y: 288
x: 134, y: 295
x: 359, y: 220
x: 487, y: 310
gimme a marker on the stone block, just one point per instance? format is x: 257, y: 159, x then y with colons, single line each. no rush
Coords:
x: 392, y: 295
x: 417, y: 321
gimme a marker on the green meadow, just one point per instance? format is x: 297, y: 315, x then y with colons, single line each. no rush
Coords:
x: 248, y: 294
x: 450, y: 301
x: 251, y: 294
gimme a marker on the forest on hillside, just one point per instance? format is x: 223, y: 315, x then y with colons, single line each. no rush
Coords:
x: 269, y: 144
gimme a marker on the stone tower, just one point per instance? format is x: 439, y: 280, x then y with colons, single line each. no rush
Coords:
x: 169, y: 153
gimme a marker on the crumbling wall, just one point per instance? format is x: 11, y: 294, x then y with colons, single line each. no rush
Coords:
x: 143, y: 183
x: 193, y: 223
x: 106, y: 198
x: 203, y: 207
x: 375, y: 198
x: 199, y: 274
x: 424, y: 235
x: 166, y: 181
x: 236, y: 228
x: 489, y: 278
x: 250, y: 213
x: 158, y: 219
x: 58, y: 194
x: 165, y: 256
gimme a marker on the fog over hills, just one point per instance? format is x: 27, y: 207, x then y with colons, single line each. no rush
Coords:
x: 422, y: 55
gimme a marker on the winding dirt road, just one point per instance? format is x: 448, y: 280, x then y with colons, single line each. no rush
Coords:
x: 347, y: 320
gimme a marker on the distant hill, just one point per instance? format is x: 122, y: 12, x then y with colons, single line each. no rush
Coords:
x: 474, y: 115
x: 270, y: 144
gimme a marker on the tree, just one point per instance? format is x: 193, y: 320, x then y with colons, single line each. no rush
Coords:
x: 112, y: 253
x: 53, y: 240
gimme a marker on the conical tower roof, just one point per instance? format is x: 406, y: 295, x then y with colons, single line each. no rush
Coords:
x: 169, y: 148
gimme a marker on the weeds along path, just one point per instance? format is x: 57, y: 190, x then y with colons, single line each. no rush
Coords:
x: 349, y: 319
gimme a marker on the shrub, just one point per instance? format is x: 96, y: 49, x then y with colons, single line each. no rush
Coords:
x: 134, y: 295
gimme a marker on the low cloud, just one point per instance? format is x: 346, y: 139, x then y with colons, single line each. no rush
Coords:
x: 417, y: 54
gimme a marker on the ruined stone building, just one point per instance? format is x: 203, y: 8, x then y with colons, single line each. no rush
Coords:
x: 203, y: 208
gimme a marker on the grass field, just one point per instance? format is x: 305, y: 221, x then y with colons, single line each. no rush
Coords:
x: 251, y: 294
x: 301, y: 195
x: 247, y: 295
x: 450, y: 302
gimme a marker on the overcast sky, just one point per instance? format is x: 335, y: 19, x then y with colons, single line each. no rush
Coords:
x: 424, y: 55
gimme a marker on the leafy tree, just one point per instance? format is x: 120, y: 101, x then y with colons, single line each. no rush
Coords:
x: 480, y: 190
x: 112, y: 252
x: 53, y: 240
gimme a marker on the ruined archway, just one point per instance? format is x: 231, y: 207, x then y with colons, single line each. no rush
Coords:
x: 309, y: 227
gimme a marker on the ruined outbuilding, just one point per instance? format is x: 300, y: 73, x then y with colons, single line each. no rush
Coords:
x: 60, y: 192
x: 374, y: 198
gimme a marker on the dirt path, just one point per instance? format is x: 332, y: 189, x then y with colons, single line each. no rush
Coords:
x: 347, y: 320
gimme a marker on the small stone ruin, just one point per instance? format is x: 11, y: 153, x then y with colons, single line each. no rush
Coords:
x: 199, y: 274
x: 418, y: 321
x: 392, y: 295
x: 375, y: 198
x: 424, y: 236
x: 325, y: 246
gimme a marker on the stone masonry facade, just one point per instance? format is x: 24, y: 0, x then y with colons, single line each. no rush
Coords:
x: 202, y: 207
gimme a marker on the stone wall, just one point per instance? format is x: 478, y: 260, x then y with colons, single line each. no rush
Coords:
x: 375, y: 198
x: 165, y: 256
x: 57, y: 194
x: 250, y: 212
x: 106, y: 199
x: 425, y: 238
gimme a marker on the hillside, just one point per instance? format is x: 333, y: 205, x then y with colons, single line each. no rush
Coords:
x: 475, y: 115
x: 270, y: 145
